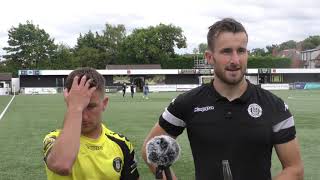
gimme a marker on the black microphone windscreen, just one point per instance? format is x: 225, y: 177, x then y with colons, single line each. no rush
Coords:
x: 162, y: 150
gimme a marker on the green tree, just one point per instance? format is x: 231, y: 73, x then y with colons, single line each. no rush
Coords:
x: 268, y: 62
x: 258, y: 52
x: 29, y: 46
x: 151, y: 45
x: 64, y: 58
x: 111, y: 41
x: 179, y: 62
x: 311, y: 42
x: 202, y: 48
x: 106, y: 44
x: 271, y: 48
x: 195, y: 51
x: 89, y: 57
x: 87, y: 40
x: 291, y: 44
x: 10, y: 67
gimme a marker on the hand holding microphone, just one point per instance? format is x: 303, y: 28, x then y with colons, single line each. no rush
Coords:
x: 162, y: 151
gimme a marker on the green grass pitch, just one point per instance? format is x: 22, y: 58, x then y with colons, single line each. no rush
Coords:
x: 30, y: 118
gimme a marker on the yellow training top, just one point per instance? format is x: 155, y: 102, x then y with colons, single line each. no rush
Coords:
x: 110, y: 157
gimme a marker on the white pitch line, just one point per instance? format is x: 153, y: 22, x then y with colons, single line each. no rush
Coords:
x: 5, y: 109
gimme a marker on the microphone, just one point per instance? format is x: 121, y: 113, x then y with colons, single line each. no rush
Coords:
x: 162, y: 151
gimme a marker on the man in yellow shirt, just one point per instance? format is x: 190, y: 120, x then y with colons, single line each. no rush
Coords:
x: 84, y: 149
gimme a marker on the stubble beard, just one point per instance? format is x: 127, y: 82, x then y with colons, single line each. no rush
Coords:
x: 90, y: 129
x: 229, y: 81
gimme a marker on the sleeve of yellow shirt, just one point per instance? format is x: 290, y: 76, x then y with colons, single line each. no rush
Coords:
x: 129, y: 170
x: 48, y: 142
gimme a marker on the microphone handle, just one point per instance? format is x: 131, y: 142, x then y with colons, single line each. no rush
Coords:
x: 158, y: 174
x: 227, y: 175
x: 168, y: 173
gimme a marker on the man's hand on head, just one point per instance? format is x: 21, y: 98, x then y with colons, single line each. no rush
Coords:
x: 78, y: 97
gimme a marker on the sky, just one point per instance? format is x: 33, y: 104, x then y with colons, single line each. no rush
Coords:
x: 266, y: 21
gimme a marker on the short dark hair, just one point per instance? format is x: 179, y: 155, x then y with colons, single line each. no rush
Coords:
x: 98, y: 80
x: 224, y: 25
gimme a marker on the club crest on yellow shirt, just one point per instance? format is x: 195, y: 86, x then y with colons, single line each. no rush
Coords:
x: 117, y: 163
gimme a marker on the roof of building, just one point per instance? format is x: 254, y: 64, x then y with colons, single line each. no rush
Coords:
x: 311, y: 50
x: 5, y: 76
x: 289, y: 53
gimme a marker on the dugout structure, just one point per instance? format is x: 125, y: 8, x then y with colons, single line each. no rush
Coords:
x: 52, y: 81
